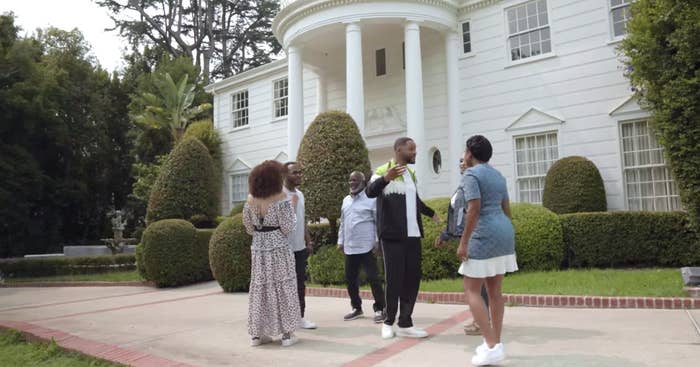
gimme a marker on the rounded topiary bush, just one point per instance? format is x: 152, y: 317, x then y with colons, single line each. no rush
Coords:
x: 140, y: 263
x: 237, y: 209
x: 169, y: 247
x: 229, y: 255
x: 438, y: 263
x: 204, y: 131
x: 331, y: 149
x: 574, y: 185
x: 539, y: 240
x: 186, y: 185
x: 327, y: 266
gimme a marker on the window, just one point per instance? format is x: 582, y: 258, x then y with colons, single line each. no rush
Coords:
x: 528, y: 30
x: 619, y: 15
x: 380, y: 57
x: 533, y: 156
x: 239, y: 188
x: 648, y: 182
x: 437, y: 161
x: 466, y: 38
x: 279, y: 100
x: 239, y: 105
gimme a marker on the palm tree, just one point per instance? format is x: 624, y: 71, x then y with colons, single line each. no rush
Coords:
x: 172, y: 107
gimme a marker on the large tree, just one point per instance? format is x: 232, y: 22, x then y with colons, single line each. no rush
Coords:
x: 662, y: 50
x: 223, y: 37
x: 64, y: 154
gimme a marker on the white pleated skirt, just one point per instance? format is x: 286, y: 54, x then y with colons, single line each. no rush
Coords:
x: 487, y: 268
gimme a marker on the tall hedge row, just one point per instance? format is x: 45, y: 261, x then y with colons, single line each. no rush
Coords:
x: 616, y: 239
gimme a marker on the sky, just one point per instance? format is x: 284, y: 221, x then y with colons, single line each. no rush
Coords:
x: 85, y: 15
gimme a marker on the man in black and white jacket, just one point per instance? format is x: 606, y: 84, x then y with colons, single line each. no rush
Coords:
x: 400, y: 229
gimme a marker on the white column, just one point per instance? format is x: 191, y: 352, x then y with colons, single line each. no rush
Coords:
x: 456, y: 140
x: 321, y: 99
x: 295, y: 119
x: 415, y: 127
x: 353, y: 75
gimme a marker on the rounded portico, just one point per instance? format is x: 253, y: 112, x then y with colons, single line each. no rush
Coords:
x: 326, y: 36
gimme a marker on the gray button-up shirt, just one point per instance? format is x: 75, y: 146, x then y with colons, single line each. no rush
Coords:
x: 358, y: 230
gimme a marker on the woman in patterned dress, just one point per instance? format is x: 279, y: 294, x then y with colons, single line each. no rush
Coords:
x: 487, y: 246
x: 273, y: 304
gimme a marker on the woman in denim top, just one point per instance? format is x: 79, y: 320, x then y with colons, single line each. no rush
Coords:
x: 487, y: 246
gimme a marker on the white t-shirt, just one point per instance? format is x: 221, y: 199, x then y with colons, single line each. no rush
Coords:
x: 412, y: 228
x: 296, y: 237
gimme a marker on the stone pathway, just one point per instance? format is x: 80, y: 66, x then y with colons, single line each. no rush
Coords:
x: 201, y: 326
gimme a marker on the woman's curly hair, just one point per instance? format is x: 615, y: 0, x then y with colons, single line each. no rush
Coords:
x: 266, y: 179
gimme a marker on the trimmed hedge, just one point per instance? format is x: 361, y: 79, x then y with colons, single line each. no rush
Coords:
x: 28, y: 267
x: 175, y: 253
x: 614, y: 239
x: 140, y: 263
x: 574, y: 185
x: 322, y: 234
x: 237, y: 209
x: 229, y: 255
x: 327, y: 266
x: 330, y: 150
x: 186, y: 186
x: 438, y: 263
x: 539, y: 242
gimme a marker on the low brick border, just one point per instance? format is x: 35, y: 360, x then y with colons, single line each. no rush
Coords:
x: 103, y: 351
x: 76, y: 284
x: 540, y: 300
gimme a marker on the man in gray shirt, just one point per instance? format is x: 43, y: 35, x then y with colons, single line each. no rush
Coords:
x: 357, y: 237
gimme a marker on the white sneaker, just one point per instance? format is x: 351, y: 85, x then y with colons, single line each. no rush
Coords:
x: 481, y: 348
x: 412, y: 332
x: 254, y: 342
x: 291, y: 340
x: 387, y: 331
x: 306, y: 324
x: 489, y: 356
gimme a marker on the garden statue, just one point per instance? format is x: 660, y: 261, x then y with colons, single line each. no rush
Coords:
x: 118, y: 243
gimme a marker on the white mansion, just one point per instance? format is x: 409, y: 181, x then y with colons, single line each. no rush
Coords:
x: 540, y: 78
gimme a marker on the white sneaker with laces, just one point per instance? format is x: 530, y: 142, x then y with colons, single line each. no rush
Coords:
x: 306, y: 324
x: 489, y: 356
x: 412, y: 332
x: 387, y: 331
x: 289, y: 340
x: 254, y: 342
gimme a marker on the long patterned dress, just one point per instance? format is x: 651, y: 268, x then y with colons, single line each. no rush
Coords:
x: 273, y: 304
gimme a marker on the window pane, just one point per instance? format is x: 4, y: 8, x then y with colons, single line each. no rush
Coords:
x: 546, y: 47
x: 380, y: 56
x: 649, y: 183
x: 534, y: 156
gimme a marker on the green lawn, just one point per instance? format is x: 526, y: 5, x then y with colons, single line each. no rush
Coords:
x: 116, y: 276
x: 593, y: 282
x: 16, y: 352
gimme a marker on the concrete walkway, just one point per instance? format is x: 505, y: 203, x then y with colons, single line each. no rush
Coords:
x: 201, y: 326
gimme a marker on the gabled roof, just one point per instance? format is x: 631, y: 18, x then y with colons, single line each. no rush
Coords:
x: 239, y: 165
x: 247, y: 76
x: 627, y: 105
x: 535, y: 117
